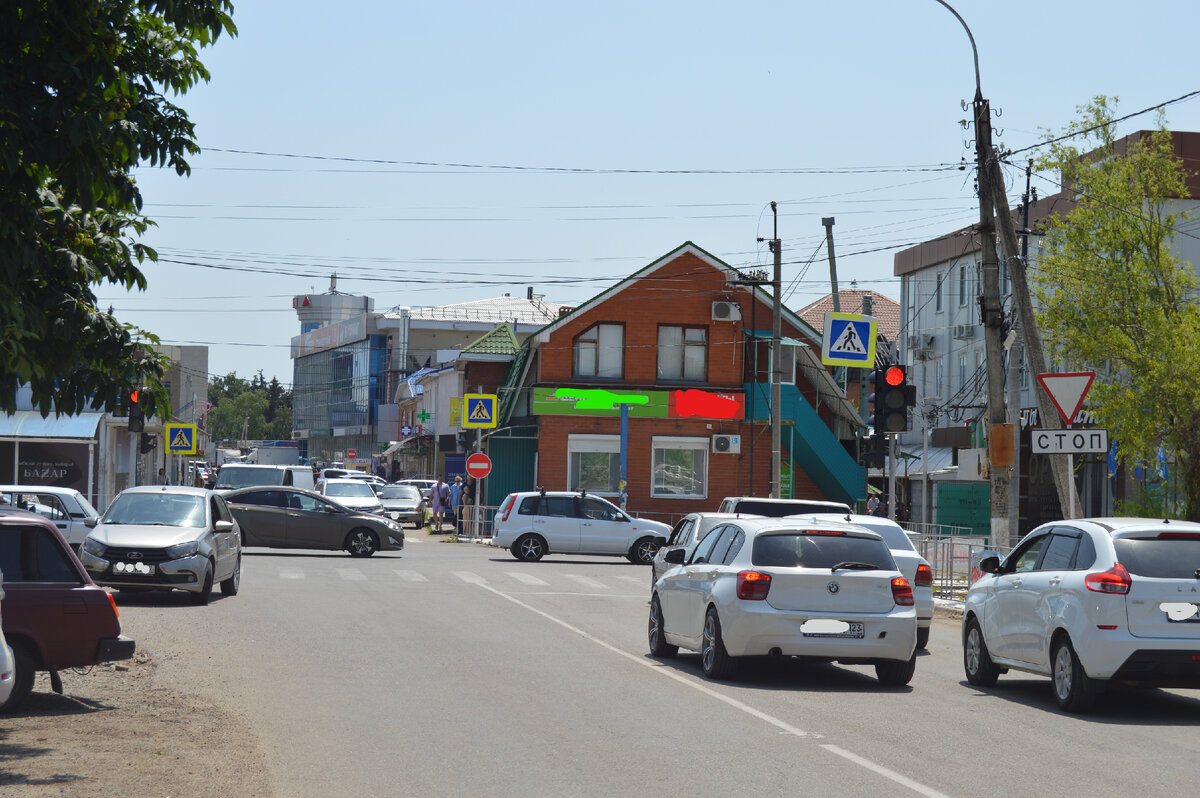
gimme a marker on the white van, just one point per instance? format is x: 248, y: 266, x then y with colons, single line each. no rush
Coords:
x: 247, y: 475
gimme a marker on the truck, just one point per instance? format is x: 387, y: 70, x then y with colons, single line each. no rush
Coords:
x: 275, y: 453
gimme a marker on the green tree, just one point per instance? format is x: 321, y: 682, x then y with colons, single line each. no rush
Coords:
x: 267, y: 405
x: 1115, y: 297
x: 83, y: 100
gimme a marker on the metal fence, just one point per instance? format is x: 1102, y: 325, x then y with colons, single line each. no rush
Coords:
x: 476, y: 523
x: 952, y: 559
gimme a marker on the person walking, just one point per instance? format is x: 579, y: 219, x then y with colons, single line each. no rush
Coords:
x: 455, y: 493
x: 466, y: 499
x: 440, y: 498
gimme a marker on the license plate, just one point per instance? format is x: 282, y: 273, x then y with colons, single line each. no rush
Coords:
x: 852, y: 631
x: 133, y: 569
x: 1181, y: 612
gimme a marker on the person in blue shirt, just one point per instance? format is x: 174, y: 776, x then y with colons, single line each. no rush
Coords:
x: 455, y: 492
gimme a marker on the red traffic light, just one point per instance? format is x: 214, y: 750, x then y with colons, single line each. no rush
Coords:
x: 894, y: 376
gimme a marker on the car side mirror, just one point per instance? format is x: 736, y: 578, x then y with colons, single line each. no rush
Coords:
x: 90, y: 523
x: 330, y: 509
x: 674, y: 556
x: 223, y: 526
x: 990, y: 564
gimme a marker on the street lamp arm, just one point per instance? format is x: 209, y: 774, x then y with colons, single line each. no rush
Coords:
x: 974, y: 50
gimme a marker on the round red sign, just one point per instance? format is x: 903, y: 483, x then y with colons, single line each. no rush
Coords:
x: 351, y: 453
x: 479, y: 465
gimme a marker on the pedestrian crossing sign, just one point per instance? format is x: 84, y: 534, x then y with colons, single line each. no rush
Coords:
x: 479, y: 410
x: 181, y: 438
x: 849, y: 340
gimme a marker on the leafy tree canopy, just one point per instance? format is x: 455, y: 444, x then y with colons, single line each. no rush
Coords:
x: 83, y: 100
x: 263, y: 409
x: 1114, y: 295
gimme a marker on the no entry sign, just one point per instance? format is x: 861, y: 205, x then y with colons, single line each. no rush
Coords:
x: 479, y: 465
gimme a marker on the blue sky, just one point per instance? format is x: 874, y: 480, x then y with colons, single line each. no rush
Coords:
x: 442, y: 152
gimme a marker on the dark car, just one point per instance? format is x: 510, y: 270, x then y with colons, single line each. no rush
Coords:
x: 291, y: 518
x: 54, y: 616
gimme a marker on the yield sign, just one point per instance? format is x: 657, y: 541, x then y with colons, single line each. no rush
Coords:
x: 1067, y: 390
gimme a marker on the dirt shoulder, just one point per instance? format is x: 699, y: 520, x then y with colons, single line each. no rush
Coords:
x: 118, y: 731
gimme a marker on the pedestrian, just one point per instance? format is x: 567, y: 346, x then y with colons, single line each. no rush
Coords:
x: 440, y: 498
x: 395, y: 475
x: 872, y: 504
x: 466, y: 499
x: 162, y: 477
x: 455, y: 494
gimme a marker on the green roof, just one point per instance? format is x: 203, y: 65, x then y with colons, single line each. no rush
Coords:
x: 499, y: 341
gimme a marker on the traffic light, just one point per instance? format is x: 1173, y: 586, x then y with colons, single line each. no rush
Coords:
x: 891, y: 400
x: 871, y: 452
x: 147, y: 443
x: 137, y: 418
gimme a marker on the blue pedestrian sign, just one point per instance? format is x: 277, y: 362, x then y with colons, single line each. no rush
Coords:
x: 479, y: 410
x: 181, y: 438
x: 849, y: 340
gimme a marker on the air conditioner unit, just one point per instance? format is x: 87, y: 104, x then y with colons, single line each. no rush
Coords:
x: 726, y: 311
x: 964, y: 331
x: 919, y: 342
x: 727, y: 444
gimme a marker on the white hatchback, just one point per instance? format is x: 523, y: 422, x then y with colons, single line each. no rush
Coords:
x: 533, y: 524
x: 791, y: 587
x: 1088, y: 602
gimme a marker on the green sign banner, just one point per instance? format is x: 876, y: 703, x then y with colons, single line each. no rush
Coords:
x: 600, y: 402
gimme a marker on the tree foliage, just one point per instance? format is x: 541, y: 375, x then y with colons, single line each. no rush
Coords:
x: 1115, y: 297
x: 83, y: 100
x: 263, y: 409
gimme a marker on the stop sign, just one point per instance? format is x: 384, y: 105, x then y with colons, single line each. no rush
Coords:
x: 479, y: 465
x: 351, y: 453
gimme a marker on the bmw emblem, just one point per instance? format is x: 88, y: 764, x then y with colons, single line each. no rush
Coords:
x: 832, y: 587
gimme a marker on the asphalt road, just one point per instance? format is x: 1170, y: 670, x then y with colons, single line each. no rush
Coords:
x: 453, y: 669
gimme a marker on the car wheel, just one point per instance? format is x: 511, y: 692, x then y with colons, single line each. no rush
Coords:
x: 977, y: 662
x: 643, y: 550
x: 922, y: 637
x: 1074, y: 690
x: 362, y: 543
x: 895, y: 673
x: 659, y: 647
x: 24, y: 667
x: 714, y: 659
x: 201, y: 598
x: 529, y: 548
x: 230, y: 586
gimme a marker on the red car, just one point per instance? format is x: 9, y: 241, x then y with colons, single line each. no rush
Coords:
x: 54, y: 616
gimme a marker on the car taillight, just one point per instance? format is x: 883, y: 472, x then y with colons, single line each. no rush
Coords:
x: 507, y: 508
x: 113, y: 602
x: 753, y: 586
x: 1114, y: 580
x: 924, y: 576
x: 902, y: 592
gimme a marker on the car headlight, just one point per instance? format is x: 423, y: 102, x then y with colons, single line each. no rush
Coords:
x: 94, y: 547
x: 180, y: 550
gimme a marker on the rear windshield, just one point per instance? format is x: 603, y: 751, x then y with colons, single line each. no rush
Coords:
x: 356, y: 490
x: 400, y: 492
x: 781, y: 509
x: 1161, y: 558
x: 791, y: 549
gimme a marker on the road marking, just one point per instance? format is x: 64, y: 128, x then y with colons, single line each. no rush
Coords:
x: 352, y: 574
x: 470, y: 578
x: 587, y: 581
x: 291, y: 573
x: 409, y: 576
x: 528, y: 579
x: 733, y: 702
x: 637, y: 580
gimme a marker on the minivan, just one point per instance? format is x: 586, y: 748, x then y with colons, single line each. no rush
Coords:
x: 247, y: 475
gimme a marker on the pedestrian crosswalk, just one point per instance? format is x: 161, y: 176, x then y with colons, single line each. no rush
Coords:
x: 635, y: 582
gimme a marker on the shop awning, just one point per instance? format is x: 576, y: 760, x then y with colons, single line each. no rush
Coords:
x: 30, y: 424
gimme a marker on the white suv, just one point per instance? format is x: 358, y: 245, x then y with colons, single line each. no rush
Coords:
x: 533, y: 524
x: 1087, y: 602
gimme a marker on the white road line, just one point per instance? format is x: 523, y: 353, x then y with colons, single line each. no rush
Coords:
x: 352, y: 574
x: 410, y: 576
x: 528, y: 579
x: 637, y: 580
x: 470, y: 578
x: 782, y: 725
x: 587, y: 581
x: 291, y: 573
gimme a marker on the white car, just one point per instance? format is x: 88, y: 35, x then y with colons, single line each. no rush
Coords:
x: 792, y: 587
x: 8, y: 664
x: 66, y: 507
x: 1087, y: 602
x: 533, y: 524
x: 916, y: 569
x: 686, y: 533
x: 353, y: 494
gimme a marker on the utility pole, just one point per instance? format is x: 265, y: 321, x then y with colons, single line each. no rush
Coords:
x: 1015, y: 347
x: 1047, y: 414
x: 833, y: 286
x: 776, y: 359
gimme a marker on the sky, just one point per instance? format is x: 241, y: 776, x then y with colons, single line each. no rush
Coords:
x: 433, y: 153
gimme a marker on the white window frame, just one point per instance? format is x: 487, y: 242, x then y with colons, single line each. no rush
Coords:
x: 591, y: 444
x: 787, y: 361
x: 598, y: 352
x: 962, y: 371
x: 663, y: 443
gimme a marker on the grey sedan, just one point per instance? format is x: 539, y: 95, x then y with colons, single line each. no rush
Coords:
x: 402, y: 503
x: 291, y: 518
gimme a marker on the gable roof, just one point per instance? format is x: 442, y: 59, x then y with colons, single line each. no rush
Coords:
x: 498, y: 343
x: 883, y: 308
x: 543, y: 335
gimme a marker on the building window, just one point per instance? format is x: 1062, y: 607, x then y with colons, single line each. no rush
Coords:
x: 600, y: 352
x: 962, y: 371
x: 937, y: 378
x: 683, y: 353
x: 1024, y: 369
x: 937, y: 291
x: 962, y: 285
x: 594, y: 463
x: 788, y: 361
x: 680, y: 469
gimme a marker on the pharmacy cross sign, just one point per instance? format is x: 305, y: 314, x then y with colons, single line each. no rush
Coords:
x: 1067, y: 390
x: 423, y: 415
